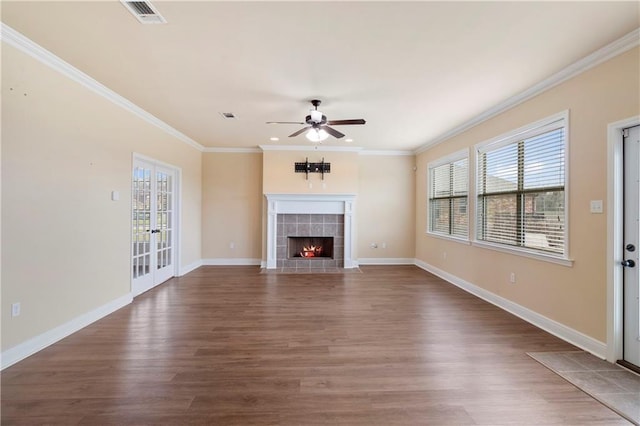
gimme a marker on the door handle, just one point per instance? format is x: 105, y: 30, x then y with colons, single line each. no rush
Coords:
x: 155, y: 231
x: 629, y: 263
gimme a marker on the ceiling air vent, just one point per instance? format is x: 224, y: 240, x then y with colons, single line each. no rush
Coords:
x: 144, y: 12
x: 228, y: 115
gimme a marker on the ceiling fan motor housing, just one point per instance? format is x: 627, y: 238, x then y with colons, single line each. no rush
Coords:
x: 316, y: 117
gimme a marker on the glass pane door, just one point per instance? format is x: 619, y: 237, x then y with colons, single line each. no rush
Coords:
x: 141, y: 225
x: 152, y: 225
x: 164, y: 223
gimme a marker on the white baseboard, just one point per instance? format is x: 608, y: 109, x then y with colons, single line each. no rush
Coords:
x: 191, y: 267
x: 35, y: 344
x: 565, y: 333
x: 386, y: 261
x: 231, y: 262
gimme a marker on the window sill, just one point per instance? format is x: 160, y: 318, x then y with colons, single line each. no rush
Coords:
x: 449, y: 238
x: 524, y: 253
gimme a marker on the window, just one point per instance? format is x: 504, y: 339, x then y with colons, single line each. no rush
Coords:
x: 448, y: 196
x: 521, y: 189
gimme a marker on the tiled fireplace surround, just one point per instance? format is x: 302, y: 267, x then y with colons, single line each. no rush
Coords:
x: 310, y: 215
x: 310, y: 225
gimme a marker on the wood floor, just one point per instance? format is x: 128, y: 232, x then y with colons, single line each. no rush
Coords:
x: 392, y: 345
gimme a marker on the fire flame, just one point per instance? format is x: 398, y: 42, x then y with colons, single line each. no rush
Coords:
x: 311, y: 251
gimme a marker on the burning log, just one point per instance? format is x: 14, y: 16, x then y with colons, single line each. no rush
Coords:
x: 311, y: 251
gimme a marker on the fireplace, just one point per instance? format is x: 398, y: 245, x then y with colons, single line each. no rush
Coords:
x: 310, y: 216
x: 312, y: 248
x: 310, y: 241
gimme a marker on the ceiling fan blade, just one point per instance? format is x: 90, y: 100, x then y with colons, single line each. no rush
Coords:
x: 333, y: 132
x: 285, y: 122
x: 299, y: 131
x: 344, y: 122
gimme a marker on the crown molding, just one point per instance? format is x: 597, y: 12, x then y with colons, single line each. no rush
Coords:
x: 25, y: 45
x: 233, y: 150
x: 321, y: 148
x: 263, y: 148
x: 22, y: 43
x: 396, y: 153
x: 601, y: 55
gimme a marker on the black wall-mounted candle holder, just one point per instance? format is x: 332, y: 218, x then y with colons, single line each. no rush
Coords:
x: 308, y: 167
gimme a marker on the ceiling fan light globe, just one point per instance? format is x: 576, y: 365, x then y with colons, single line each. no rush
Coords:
x: 317, y: 135
x: 316, y: 116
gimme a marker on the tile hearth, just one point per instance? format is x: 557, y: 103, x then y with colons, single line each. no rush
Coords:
x: 305, y: 270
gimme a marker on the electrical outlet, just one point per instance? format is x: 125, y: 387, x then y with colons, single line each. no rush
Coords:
x: 15, y: 309
x: 596, y: 206
x: 444, y: 254
x: 384, y: 245
x: 512, y: 278
x: 232, y: 245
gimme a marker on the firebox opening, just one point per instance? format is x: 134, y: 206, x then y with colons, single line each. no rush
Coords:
x: 310, y: 247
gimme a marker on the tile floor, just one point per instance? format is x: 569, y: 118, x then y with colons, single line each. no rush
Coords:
x: 612, y: 385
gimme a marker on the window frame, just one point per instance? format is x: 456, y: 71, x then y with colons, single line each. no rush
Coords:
x: 449, y: 159
x: 559, y: 120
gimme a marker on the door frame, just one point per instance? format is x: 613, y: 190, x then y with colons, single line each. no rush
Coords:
x: 177, y: 267
x: 615, y: 222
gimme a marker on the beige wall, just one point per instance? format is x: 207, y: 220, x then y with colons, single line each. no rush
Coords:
x: 386, y: 206
x: 279, y: 177
x: 65, y: 244
x: 574, y: 296
x: 232, y: 204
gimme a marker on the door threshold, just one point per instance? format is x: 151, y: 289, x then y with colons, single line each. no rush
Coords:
x: 626, y: 364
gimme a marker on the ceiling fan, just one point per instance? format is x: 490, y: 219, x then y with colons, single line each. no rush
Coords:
x: 318, y: 125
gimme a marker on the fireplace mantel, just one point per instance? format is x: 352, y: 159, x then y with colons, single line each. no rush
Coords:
x: 343, y: 204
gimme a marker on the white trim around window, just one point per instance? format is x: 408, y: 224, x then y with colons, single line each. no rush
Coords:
x: 525, y: 187
x: 451, y: 174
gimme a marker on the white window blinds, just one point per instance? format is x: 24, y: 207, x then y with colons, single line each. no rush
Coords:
x: 448, y: 192
x: 521, y: 191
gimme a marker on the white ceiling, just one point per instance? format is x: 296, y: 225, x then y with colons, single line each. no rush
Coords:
x: 413, y: 70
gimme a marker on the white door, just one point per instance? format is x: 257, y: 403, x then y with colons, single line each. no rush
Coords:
x: 631, y: 249
x: 153, y: 225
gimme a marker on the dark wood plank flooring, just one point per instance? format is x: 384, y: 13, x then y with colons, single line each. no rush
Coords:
x: 392, y: 345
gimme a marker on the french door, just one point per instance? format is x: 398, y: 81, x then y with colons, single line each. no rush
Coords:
x: 153, y: 227
x: 631, y: 249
